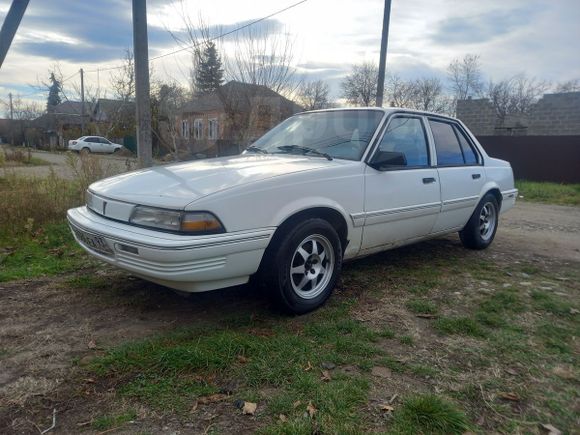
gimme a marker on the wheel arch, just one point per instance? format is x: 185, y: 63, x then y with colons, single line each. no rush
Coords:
x: 493, y: 189
x: 329, y: 214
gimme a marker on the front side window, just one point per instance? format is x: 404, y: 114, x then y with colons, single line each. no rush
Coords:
x: 198, y: 129
x: 342, y: 134
x: 405, y: 137
x: 213, y: 129
x: 446, y: 144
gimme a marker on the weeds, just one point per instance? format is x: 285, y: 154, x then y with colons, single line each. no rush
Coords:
x: 551, y: 193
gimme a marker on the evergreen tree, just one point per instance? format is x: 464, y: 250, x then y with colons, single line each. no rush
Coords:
x: 54, y: 91
x: 209, y: 74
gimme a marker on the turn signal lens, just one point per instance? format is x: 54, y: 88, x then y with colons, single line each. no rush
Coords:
x: 200, y: 223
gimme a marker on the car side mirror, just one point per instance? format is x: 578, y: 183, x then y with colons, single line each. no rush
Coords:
x: 382, y: 160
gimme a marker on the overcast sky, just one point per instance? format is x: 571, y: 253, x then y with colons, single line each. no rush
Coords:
x: 538, y: 37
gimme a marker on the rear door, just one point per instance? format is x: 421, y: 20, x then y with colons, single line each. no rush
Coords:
x: 402, y: 200
x: 93, y: 143
x: 460, y: 171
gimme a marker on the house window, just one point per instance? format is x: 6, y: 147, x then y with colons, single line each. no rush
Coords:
x: 198, y: 129
x: 213, y: 129
x: 185, y: 129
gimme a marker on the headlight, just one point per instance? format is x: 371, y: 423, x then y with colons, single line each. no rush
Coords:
x: 186, y: 222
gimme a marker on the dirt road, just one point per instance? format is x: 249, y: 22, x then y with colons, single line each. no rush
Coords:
x: 50, y: 326
x: 58, y: 162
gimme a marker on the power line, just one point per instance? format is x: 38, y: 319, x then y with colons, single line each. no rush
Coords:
x: 221, y: 35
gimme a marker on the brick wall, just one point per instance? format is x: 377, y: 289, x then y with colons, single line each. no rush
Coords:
x: 552, y: 115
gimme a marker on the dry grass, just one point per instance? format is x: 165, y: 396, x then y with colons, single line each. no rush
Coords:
x: 29, y: 203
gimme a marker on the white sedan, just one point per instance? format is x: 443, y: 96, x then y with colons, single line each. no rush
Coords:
x: 93, y: 144
x: 320, y: 188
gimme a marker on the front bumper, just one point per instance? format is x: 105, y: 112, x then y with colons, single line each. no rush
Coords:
x: 183, y: 262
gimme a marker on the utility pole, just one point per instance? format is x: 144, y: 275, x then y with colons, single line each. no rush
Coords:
x: 82, y: 103
x: 383, y: 58
x: 142, y: 97
x: 11, y: 120
x: 10, y: 25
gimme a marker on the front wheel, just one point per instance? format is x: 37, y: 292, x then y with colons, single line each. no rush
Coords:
x: 306, y: 266
x: 482, y: 226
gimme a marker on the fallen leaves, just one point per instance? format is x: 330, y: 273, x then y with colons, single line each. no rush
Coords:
x: 91, y: 344
x: 282, y: 418
x: 249, y: 408
x: 325, y: 376
x: 204, y: 400
x: 386, y: 407
x: 311, y: 409
x: 308, y: 367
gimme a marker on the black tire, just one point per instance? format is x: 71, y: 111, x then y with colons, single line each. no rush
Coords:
x: 476, y: 235
x: 286, y: 288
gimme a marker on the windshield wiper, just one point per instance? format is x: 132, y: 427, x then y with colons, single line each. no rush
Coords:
x: 305, y: 150
x: 256, y: 149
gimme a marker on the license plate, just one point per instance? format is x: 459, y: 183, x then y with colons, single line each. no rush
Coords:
x: 97, y: 243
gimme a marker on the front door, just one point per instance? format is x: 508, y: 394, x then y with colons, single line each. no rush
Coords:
x: 461, y: 174
x: 402, y: 199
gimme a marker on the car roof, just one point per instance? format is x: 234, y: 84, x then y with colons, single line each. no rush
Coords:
x: 386, y: 110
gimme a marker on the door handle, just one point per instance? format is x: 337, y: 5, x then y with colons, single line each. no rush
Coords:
x: 475, y: 176
x: 429, y: 180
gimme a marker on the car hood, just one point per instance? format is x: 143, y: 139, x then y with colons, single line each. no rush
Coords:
x: 176, y: 185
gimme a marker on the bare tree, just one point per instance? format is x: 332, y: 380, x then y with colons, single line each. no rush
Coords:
x: 465, y: 76
x: 568, y: 86
x: 23, y: 110
x: 359, y: 88
x: 167, y: 101
x: 515, y: 95
x: 401, y: 93
x: 425, y: 93
x: 430, y: 96
x: 263, y: 57
x: 122, y: 80
x: 313, y: 95
x: 194, y: 37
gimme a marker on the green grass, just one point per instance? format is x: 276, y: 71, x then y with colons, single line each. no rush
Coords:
x: 421, y: 306
x: 429, y: 414
x: 106, y: 422
x: 551, y: 193
x: 543, y: 301
x: 459, y: 326
x: 168, y: 372
x: 50, y: 251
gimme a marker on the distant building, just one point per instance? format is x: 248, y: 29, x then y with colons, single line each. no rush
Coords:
x: 552, y: 115
x: 111, y: 118
x: 226, y: 121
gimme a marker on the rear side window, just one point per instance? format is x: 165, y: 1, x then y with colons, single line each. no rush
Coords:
x: 468, y: 152
x: 446, y: 144
x: 406, y: 135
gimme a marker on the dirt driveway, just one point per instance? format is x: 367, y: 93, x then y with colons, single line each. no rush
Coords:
x: 58, y: 162
x: 50, y: 327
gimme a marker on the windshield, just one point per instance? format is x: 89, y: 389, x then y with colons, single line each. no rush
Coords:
x: 341, y: 134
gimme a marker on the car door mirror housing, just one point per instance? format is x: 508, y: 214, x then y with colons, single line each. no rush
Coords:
x: 384, y: 160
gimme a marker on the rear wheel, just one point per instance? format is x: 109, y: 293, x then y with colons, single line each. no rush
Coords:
x: 86, y: 150
x: 305, y: 266
x: 482, y: 226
